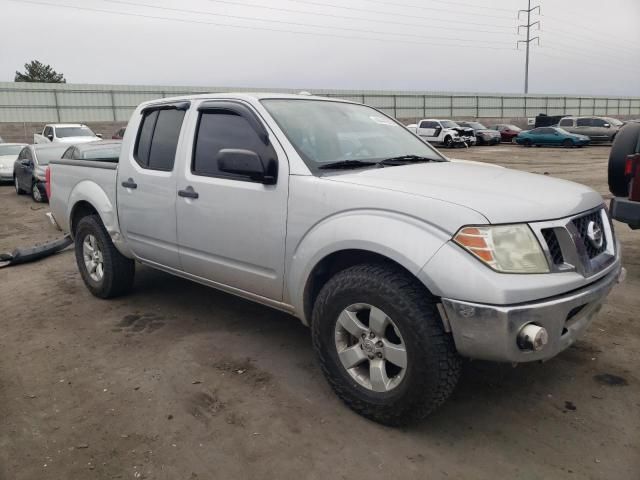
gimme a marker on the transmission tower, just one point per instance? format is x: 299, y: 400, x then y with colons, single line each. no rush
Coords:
x: 529, y: 39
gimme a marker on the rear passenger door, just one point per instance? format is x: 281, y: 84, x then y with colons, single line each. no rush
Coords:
x: 231, y: 230
x: 429, y: 130
x: 146, y: 189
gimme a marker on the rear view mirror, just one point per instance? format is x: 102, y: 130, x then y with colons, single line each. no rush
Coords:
x: 246, y: 163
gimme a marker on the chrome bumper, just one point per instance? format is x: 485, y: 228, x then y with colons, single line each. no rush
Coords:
x: 489, y: 332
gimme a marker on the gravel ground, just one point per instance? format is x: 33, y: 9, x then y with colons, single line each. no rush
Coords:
x: 177, y: 381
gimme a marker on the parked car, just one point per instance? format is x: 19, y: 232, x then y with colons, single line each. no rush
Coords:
x: 544, y: 120
x: 104, y: 151
x: 553, y: 136
x: 399, y: 260
x: 507, y: 131
x: 66, y: 133
x: 29, y: 169
x: 8, y: 154
x: 119, y: 135
x: 443, y: 132
x: 624, y: 175
x: 598, y: 129
x: 484, y: 135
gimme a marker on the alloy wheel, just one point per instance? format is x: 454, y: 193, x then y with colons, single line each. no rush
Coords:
x: 93, y: 258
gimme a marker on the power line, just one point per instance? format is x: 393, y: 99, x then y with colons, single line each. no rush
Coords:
x: 574, y: 37
x: 592, y: 32
x: 298, y: 24
x: 388, y: 14
x: 446, y: 2
x: 543, y: 52
x: 250, y: 27
x: 447, y: 10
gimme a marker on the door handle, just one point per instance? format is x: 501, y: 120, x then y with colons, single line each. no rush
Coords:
x: 130, y: 184
x: 188, y: 192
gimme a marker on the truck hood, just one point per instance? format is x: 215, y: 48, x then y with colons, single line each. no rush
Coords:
x: 76, y: 140
x: 499, y: 194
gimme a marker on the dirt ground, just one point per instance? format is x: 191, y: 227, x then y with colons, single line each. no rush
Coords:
x: 177, y: 381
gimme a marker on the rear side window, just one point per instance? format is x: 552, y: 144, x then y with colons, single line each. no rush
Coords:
x: 583, y: 122
x: 566, y: 122
x: 218, y: 130
x: 158, y: 139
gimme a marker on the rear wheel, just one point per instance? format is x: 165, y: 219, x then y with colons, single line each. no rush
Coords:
x: 566, y: 143
x: 105, y: 271
x: 381, y: 344
x: 16, y: 184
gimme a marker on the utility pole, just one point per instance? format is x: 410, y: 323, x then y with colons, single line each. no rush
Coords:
x: 528, y: 41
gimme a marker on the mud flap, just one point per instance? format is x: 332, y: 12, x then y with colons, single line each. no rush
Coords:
x: 24, y: 255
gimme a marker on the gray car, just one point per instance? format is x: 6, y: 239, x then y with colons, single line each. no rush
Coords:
x: 29, y: 169
x: 598, y: 129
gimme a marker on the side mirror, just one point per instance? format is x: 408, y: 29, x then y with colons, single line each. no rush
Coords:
x: 99, y: 135
x: 25, y: 162
x: 606, y: 125
x: 50, y: 137
x: 245, y: 163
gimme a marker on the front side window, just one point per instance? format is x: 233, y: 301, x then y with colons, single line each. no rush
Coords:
x: 219, y: 130
x: 325, y: 132
x: 65, y: 132
x: 583, y: 122
x: 598, y: 122
x: 158, y: 139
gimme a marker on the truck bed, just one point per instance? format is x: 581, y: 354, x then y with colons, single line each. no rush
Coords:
x: 72, y: 180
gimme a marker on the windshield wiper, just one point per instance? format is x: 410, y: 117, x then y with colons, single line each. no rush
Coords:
x: 346, y: 164
x: 406, y: 159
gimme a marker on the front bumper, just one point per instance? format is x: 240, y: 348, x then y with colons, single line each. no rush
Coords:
x: 489, y: 332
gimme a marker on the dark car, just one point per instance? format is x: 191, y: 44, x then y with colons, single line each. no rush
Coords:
x: 29, y: 168
x: 551, y: 136
x: 104, y: 150
x: 507, y: 131
x: 484, y: 135
x: 119, y: 135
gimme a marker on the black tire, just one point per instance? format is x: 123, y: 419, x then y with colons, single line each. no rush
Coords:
x: 37, y: 195
x: 433, y: 365
x: 119, y: 271
x: 567, y: 143
x: 527, y: 142
x: 19, y: 191
x: 448, y: 142
x: 627, y: 142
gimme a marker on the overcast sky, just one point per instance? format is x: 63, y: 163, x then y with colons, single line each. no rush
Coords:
x: 586, y: 46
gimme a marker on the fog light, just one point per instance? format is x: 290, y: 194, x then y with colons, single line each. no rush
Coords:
x: 532, y: 337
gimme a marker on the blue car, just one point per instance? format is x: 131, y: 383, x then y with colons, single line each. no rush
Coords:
x: 551, y: 136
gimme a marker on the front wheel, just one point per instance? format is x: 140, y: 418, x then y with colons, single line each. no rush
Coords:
x: 36, y: 194
x: 527, y: 142
x: 566, y: 143
x: 448, y: 142
x: 105, y: 271
x: 381, y: 344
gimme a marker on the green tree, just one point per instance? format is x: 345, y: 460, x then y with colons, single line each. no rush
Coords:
x: 35, y: 71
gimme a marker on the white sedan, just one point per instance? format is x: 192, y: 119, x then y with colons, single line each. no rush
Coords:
x: 8, y: 154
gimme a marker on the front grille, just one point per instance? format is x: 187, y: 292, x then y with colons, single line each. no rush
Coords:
x: 553, y: 245
x: 582, y: 225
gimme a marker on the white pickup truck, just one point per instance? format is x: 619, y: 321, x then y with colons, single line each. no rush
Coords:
x: 72, y: 133
x: 399, y: 260
x: 444, y: 132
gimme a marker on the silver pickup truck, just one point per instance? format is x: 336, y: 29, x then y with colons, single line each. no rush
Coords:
x: 400, y: 260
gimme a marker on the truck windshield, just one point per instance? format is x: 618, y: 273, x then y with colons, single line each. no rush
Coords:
x: 63, y: 132
x: 325, y: 132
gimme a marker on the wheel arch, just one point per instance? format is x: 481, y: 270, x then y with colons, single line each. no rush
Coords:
x: 338, y: 261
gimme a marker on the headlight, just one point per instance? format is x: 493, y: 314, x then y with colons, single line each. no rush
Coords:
x: 505, y: 248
